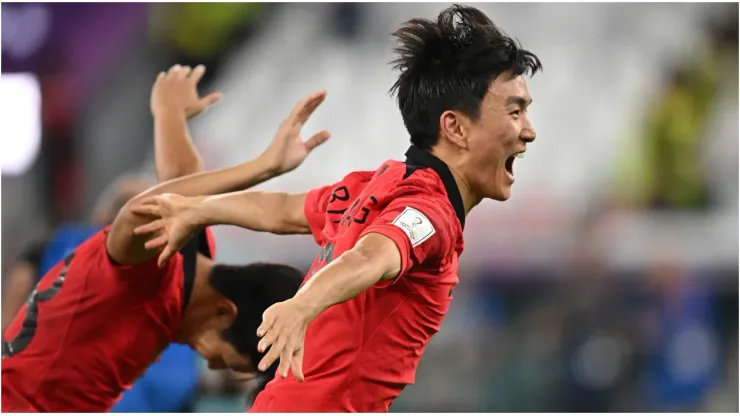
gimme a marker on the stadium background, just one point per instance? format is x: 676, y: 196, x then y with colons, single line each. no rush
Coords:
x: 607, y: 283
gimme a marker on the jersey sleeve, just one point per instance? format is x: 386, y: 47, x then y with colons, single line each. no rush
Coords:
x: 422, y: 225
x: 314, y: 207
x: 33, y: 253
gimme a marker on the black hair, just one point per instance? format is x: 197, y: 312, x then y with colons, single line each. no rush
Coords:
x: 253, y: 288
x: 449, y: 65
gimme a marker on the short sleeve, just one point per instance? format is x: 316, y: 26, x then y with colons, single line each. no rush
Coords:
x: 33, y: 253
x: 422, y: 227
x: 314, y: 207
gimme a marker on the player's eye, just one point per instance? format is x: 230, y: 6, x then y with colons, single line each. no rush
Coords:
x: 516, y: 113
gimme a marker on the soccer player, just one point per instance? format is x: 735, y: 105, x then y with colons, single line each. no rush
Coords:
x: 99, y: 318
x: 353, y: 335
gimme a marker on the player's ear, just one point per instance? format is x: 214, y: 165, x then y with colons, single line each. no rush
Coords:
x: 453, y: 126
x: 226, y: 309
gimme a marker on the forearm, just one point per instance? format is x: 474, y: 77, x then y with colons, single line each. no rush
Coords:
x: 126, y: 248
x: 174, y: 152
x: 274, y: 212
x: 219, y: 181
x: 351, y: 274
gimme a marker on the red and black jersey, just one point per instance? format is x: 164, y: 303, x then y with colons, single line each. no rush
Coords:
x: 92, y: 327
x: 360, y: 354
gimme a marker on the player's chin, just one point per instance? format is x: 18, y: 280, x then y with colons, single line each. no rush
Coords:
x: 503, y: 194
x: 501, y: 191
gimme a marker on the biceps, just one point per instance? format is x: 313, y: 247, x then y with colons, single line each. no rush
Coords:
x: 294, y: 216
x: 381, y: 253
x: 123, y: 246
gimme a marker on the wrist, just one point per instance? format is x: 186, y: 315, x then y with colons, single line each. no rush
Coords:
x: 308, y: 307
x: 198, y: 208
x: 162, y: 110
x: 268, y: 167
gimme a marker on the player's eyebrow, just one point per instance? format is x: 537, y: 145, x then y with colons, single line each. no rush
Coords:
x: 519, y: 101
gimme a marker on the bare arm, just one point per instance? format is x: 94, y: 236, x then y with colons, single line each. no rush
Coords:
x: 126, y: 248
x: 180, y: 217
x: 174, y: 152
x: 274, y: 212
x: 285, y: 153
x: 373, y: 259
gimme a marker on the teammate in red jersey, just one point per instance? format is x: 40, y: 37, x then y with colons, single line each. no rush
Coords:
x: 390, y: 239
x: 99, y: 318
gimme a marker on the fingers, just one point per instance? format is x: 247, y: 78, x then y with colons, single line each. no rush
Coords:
x: 210, y: 99
x: 267, y: 320
x: 268, y: 339
x: 150, y: 227
x: 165, y: 256
x: 156, y: 243
x: 160, y: 76
x: 152, y: 199
x: 286, y: 355
x: 273, y: 354
x: 317, y: 140
x: 181, y: 72
x: 175, y: 70
x: 296, y: 365
x: 197, y: 73
x: 151, y: 210
x: 306, y: 107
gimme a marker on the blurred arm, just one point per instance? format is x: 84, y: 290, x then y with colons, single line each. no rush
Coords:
x: 19, y: 285
x: 174, y: 152
x: 274, y: 212
x: 373, y: 259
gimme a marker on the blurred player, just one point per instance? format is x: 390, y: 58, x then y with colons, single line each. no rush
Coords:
x: 99, y: 318
x: 390, y: 239
x: 42, y: 255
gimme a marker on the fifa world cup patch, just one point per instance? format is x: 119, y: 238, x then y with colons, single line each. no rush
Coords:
x: 415, y: 224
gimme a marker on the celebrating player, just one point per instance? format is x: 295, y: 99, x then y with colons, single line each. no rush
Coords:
x: 100, y: 317
x: 390, y: 239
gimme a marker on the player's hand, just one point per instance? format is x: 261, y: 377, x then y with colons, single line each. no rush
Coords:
x: 288, y: 150
x: 177, y: 90
x: 283, y: 330
x: 176, y: 222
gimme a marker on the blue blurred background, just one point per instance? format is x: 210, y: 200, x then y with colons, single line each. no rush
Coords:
x: 609, y: 281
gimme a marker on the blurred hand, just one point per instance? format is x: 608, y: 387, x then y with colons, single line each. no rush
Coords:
x: 288, y: 150
x: 177, y: 90
x: 177, y: 221
x: 284, y: 328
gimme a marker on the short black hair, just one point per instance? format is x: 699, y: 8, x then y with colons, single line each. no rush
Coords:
x: 253, y: 288
x: 449, y: 65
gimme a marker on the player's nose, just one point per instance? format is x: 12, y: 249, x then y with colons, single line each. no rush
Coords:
x: 528, y: 134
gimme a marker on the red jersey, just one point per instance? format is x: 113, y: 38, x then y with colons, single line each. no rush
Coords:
x: 360, y: 354
x: 92, y: 327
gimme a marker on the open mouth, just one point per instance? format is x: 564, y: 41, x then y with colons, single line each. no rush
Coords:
x: 509, y: 164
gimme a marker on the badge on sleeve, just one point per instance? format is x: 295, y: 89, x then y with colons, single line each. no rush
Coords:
x: 415, y: 224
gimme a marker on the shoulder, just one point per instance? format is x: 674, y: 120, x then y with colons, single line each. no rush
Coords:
x: 93, y: 253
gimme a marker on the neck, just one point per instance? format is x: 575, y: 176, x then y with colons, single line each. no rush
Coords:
x: 202, y: 294
x: 470, y: 198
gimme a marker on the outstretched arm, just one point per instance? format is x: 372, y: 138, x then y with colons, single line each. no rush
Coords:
x: 180, y: 217
x: 410, y: 231
x: 284, y: 154
x: 374, y: 258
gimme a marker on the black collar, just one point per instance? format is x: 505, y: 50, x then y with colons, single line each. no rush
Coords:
x: 197, y: 244
x: 417, y: 158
